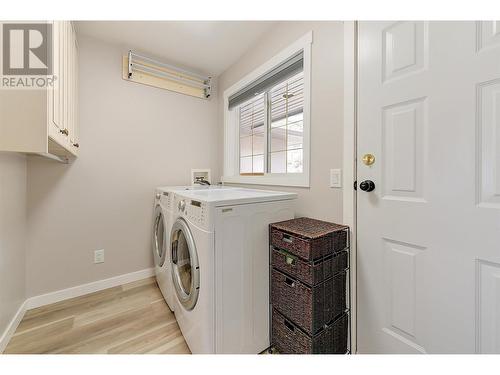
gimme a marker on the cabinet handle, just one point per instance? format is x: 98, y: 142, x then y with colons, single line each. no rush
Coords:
x: 64, y: 131
x: 289, y: 259
x: 76, y: 145
x: 287, y: 238
x: 289, y: 325
x: 289, y: 282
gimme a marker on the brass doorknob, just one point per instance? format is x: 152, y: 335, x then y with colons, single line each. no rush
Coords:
x: 368, y: 159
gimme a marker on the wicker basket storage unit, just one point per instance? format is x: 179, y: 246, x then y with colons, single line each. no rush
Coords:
x: 309, y: 279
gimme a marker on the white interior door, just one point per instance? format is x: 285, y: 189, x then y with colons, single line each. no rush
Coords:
x: 429, y: 234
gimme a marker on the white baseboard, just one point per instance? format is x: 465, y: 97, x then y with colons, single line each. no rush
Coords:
x: 11, y: 328
x: 60, y: 295
x: 80, y: 290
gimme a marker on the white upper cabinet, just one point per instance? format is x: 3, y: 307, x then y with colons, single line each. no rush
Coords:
x: 45, y: 120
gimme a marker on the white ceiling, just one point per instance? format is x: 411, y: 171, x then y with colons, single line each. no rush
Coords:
x: 206, y: 46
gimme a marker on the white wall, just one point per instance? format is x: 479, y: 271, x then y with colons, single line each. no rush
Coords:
x: 133, y: 138
x: 12, y: 235
x: 319, y: 201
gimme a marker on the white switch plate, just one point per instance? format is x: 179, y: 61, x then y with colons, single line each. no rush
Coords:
x: 99, y: 256
x: 335, y: 178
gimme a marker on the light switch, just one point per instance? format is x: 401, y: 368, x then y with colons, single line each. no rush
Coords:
x: 99, y: 256
x: 335, y: 178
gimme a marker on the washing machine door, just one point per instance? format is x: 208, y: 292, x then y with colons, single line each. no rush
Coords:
x: 185, y: 266
x: 159, y: 236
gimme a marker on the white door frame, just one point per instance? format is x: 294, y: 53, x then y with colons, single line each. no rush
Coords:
x: 349, y: 157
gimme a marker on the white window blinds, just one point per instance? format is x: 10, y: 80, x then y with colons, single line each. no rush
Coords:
x: 252, y: 132
x: 280, y: 73
x: 271, y: 129
x: 287, y: 126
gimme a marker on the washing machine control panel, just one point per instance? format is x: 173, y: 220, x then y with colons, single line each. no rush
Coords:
x: 182, y: 205
x: 166, y: 199
x: 194, y: 211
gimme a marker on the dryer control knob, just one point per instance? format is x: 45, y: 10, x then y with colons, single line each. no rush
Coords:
x: 182, y: 205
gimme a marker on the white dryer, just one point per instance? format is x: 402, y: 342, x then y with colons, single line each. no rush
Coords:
x: 162, y: 225
x: 161, y: 232
x: 220, y: 266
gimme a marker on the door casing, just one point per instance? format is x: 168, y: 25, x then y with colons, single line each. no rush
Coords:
x: 349, y: 158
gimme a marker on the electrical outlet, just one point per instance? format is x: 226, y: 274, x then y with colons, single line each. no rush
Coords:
x: 335, y: 178
x: 99, y: 256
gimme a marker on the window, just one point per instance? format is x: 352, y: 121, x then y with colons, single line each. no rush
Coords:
x: 267, y: 122
x: 286, y: 113
x: 277, y: 115
x: 251, y: 134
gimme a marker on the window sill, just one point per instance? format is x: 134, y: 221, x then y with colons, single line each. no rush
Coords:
x: 298, y: 180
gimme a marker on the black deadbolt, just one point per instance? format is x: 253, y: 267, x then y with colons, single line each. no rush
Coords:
x: 367, y: 185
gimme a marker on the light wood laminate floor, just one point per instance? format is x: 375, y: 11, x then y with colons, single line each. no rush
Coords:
x: 131, y: 318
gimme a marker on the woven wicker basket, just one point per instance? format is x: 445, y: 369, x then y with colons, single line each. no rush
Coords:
x: 309, y: 239
x: 310, y: 273
x: 290, y: 339
x: 310, y: 308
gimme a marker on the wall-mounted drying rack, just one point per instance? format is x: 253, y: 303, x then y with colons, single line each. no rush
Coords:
x: 141, y: 69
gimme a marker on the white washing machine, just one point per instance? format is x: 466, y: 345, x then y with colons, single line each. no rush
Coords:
x: 162, y: 225
x: 220, y: 266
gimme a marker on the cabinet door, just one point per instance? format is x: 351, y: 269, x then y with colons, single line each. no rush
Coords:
x: 62, y: 98
x: 71, y: 86
x: 67, y: 80
x: 55, y: 120
x: 74, y: 98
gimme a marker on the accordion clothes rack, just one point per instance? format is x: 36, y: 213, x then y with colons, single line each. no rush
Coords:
x: 148, y: 71
x: 309, y: 287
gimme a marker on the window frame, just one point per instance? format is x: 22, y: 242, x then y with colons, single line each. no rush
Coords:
x: 231, y: 130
